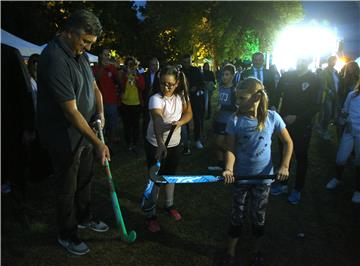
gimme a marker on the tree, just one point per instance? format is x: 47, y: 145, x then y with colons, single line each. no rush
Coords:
x: 218, y: 30
x: 38, y: 22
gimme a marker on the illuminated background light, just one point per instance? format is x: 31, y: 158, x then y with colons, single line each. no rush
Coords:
x: 297, y: 41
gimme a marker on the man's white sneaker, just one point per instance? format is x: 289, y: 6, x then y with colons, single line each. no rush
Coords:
x: 356, y: 197
x: 333, y: 183
x: 199, y: 145
x: 74, y: 245
x: 97, y: 226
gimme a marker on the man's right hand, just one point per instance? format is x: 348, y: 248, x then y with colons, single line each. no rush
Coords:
x: 102, y: 152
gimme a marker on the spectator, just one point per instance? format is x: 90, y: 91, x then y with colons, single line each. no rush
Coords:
x: 197, y: 98
x: 131, y: 101
x: 300, y: 102
x: 330, y: 89
x: 108, y: 79
x: 350, y: 141
x: 258, y: 71
x: 227, y: 102
x: 18, y: 129
x: 149, y: 77
x: 39, y: 160
x: 210, y: 83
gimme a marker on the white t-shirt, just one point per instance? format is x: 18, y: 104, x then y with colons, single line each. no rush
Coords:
x: 172, y: 108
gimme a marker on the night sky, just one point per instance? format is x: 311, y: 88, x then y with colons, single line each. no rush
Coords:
x: 345, y: 16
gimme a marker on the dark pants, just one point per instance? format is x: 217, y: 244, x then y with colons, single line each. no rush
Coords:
x: 168, y: 167
x: 131, y: 119
x: 301, y: 140
x: 145, y: 123
x: 198, y: 109
x: 73, y: 175
x: 169, y: 164
x: 15, y: 160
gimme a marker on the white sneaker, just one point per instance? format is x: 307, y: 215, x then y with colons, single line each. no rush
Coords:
x: 215, y: 168
x: 333, y: 183
x: 356, y: 197
x: 199, y: 145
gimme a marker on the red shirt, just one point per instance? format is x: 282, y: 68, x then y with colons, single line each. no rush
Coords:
x: 107, y: 82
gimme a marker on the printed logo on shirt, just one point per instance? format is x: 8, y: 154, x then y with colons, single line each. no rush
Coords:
x: 223, y: 97
x: 305, y: 85
x: 109, y: 74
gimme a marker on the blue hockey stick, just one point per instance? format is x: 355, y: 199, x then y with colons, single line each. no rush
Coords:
x: 155, y: 169
x: 187, y: 179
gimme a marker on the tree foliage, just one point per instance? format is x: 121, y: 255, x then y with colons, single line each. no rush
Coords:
x: 219, y: 30
x: 216, y: 30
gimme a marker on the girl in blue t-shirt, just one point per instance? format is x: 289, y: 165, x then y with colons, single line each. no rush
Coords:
x: 227, y: 108
x: 248, y: 153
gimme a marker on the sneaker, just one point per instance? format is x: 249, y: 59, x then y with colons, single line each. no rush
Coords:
x: 199, y: 145
x: 215, y: 168
x: 187, y: 151
x: 153, y: 225
x: 278, y: 189
x: 258, y: 259
x: 333, y: 183
x: 228, y: 260
x: 172, y: 212
x: 74, y: 245
x: 294, y: 197
x: 356, y: 197
x: 97, y: 226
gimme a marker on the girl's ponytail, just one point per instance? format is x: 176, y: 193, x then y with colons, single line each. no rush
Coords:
x: 184, y: 87
x: 262, y: 110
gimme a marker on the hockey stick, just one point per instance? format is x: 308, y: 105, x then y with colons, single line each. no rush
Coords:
x: 129, y: 238
x: 187, y: 179
x: 153, y: 171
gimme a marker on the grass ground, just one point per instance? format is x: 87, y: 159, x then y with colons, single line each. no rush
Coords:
x: 330, y: 222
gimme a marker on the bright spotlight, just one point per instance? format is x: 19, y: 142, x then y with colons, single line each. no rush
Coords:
x: 298, y: 41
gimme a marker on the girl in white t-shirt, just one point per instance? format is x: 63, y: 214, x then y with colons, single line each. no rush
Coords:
x: 171, y: 106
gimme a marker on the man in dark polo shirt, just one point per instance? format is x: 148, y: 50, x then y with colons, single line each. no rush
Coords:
x: 300, y: 93
x: 67, y: 100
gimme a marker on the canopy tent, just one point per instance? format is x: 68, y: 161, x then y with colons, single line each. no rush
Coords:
x: 27, y: 48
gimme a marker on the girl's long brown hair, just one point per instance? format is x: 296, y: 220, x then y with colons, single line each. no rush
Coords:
x: 253, y: 86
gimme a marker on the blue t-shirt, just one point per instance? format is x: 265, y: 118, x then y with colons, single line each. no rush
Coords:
x: 227, y: 104
x: 253, y: 147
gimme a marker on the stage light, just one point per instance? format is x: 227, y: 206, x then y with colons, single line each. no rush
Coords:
x: 299, y: 41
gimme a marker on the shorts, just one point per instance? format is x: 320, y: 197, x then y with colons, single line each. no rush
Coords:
x: 219, y: 128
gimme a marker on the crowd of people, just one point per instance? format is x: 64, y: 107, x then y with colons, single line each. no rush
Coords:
x: 254, y: 103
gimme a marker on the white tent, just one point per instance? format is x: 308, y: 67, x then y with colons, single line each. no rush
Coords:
x: 27, y: 48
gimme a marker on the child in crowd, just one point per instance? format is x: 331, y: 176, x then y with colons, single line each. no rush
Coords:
x: 227, y: 108
x: 171, y: 106
x: 248, y: 153
x: 350, y: 139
